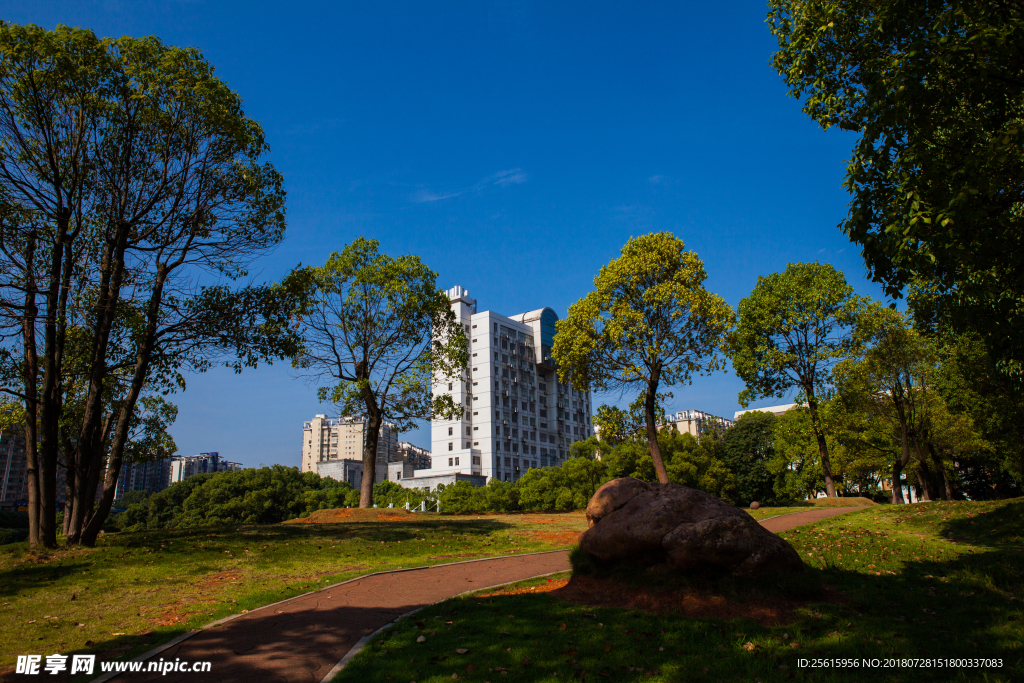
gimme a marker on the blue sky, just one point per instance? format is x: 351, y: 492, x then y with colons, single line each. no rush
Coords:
x: 514, y: 146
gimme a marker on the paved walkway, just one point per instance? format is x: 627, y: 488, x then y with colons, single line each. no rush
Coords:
x: 795, y: 519
x: 300, y: 640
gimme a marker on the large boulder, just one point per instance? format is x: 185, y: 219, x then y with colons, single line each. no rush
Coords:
x: 681, y: 528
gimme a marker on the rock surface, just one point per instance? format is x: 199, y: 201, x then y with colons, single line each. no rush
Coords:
x: 755, y: 505
x: 683, y: 528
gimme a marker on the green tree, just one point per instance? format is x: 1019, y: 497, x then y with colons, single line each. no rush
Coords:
x: 796, y: 464
x: 747, y: 447
x: 379, y: 329
x: 792, y: 330
x: 568, y: 487
x: 648, y: 323
x: 463, y: 498
x: 893, y: 380
x: 268, y: 495
x: 130, y: 174
x: 935, y: 92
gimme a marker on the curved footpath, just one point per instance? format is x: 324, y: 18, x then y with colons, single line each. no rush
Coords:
x: 306, y: 638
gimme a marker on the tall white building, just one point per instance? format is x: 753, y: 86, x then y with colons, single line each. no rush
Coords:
x: 517, y: 414
x: 184, y: 466
x: 325, y: 439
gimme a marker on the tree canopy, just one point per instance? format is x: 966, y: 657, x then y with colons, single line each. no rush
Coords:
x: 649, y: 322
x: 792, y: 330
x: 383, y: 335
x: 133, y: 190
x: 935, y: 91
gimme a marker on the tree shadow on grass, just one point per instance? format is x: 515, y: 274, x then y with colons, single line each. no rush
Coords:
x: 880, y: 620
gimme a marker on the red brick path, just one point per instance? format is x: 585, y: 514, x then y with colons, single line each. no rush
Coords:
x: 300, y: 640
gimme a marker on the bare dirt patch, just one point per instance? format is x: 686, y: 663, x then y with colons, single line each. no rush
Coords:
x: 218, y: 579
x: 557, y: 537
x: 601, y: 592
x: 551, y: 585
x: 342, y: 515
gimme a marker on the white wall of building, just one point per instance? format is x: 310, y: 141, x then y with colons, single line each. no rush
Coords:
x: 517, y: 415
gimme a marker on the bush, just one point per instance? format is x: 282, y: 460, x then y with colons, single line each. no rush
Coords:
x: 13, y: 536
x: 13, y: 520
x: 254, y: 496
x: 462, y: 498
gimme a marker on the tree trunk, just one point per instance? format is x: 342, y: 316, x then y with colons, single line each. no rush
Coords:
x: 90, y: 446
x: 374, y: 420
x: 826, y: 462
x: 945, y: 490
x: 30, y: 375
x: 652, y: 426
x: 115, y: 455
x: 924, y: 490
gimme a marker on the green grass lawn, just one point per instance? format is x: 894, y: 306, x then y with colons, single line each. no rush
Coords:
x: 136, y: 590
x: 934, y: 580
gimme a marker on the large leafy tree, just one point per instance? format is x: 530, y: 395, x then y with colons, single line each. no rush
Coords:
x: 892, y: 380
x: 381, y: 332
x: 648, y: 323
x: 747, y: 448
x: 129, y: 178
x: 935, y: 91
x: 792, y: 330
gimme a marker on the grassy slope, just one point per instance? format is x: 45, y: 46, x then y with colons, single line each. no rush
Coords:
x: 929, y: 580
x: 136, y: 590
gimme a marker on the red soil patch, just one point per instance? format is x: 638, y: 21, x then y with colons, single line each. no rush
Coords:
x: 218, y: 579
x: 341, y: 515
x: 557, y: 537
x: 599, y: 592
x: 551, y: 585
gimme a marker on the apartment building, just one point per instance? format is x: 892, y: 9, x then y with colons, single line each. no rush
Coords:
x: 416, y: 457
x: 13, y: 470
x: 152, y: 476
x: 517, y: 414
x: 325, y: 439
x: 696, y: 422
x: 183, y: 467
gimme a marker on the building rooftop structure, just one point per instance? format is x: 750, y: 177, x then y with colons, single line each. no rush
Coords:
x: 777, y: 411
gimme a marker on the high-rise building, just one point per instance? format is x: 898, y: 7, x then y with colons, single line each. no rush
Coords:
x: 325, y: 439
x: 183, y: 467
x: 13, y: 470
x: 517, y: 414
x: 151, y: 476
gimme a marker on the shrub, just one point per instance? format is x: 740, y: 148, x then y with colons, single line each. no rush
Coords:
x: 253, y: 496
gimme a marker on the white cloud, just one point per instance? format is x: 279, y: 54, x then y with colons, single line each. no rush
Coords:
x: 513, y: 176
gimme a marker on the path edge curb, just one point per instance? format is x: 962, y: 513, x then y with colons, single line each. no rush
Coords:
x: 361, y: 643
x: 231, y: 617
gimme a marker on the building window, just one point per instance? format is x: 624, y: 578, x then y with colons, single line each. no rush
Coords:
x: 449, y: 462
x: 449, y: 431
x: 476, y: 459
x: 451, y: 447
x: 456, y: 462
